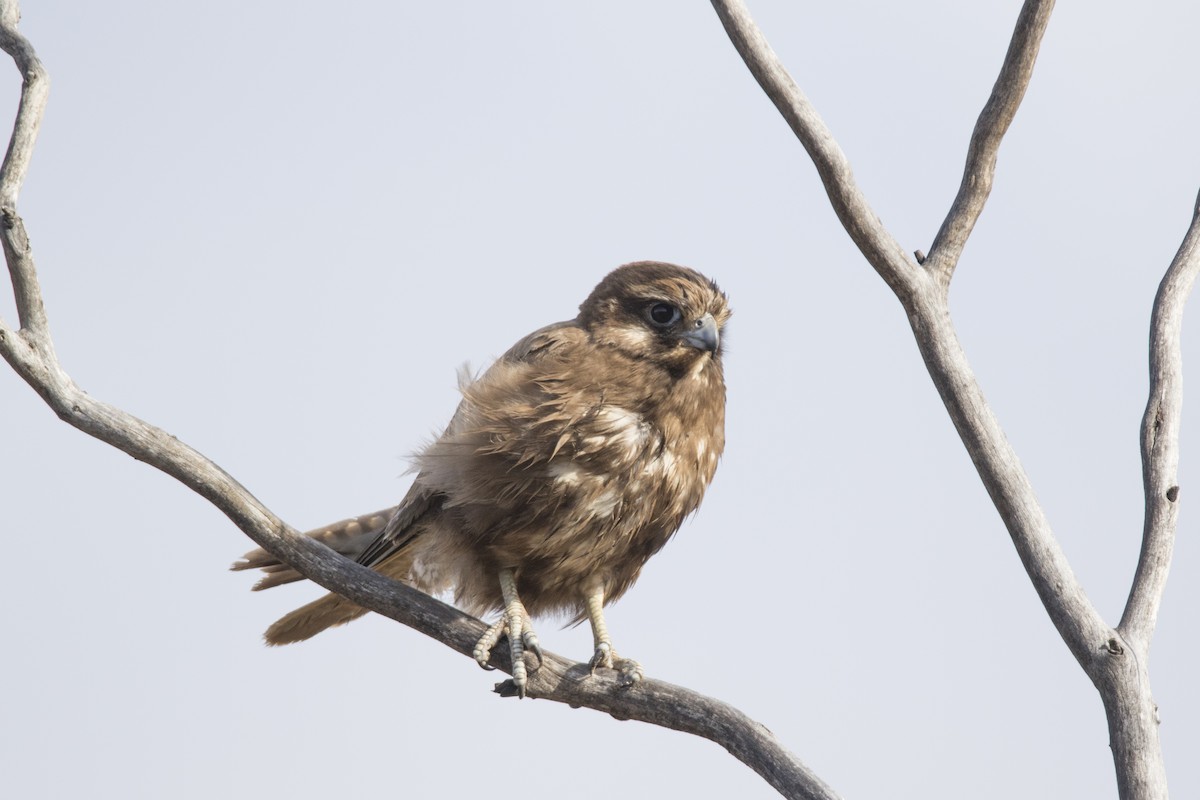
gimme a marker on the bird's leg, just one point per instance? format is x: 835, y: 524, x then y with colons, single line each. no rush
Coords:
x: 605, y: 655
x: 516, y: 619
x: 517, y: 625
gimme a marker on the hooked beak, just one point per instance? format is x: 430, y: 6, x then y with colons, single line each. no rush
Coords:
x: 703, y: 334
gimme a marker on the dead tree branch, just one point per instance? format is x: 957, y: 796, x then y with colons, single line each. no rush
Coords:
x: 1160, y: 440
x: 989, y: 131
x: 35, y: 88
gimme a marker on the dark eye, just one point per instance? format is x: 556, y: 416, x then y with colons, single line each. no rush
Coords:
x: 663, y: 314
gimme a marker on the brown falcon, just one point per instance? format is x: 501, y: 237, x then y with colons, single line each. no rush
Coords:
x: 568, y: 463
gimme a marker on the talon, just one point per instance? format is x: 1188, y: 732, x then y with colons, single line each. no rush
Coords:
x: 631, y: 672
x: 603, y: 657
x: 532, y: 645
x: 520, y: 674
x: 515, y: 620
x: 482, y: 657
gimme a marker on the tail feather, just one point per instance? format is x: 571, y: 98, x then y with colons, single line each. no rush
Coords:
x: 350, y: 537
x: 307, y: 621
x: 332, y: 609
x: 276, y: 575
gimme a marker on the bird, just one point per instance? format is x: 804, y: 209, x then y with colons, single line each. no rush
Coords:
x: 568, y: 463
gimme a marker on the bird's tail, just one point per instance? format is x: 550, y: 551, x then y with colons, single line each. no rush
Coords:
x: 350, y: 537
x: 307, y: 621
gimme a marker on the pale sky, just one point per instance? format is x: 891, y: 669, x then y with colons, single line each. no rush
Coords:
x: 276, y: 230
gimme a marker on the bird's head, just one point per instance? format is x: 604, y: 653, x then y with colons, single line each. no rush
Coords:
x: 669, y: 314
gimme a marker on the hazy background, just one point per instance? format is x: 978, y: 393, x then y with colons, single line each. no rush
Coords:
x: 275, y: 230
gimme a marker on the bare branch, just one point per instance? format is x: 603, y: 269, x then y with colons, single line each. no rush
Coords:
x: 35, y: 89
x: 1006, y: 481
x: 990, y: 128
x: 682, y: 710
x: 30, y: 354
x: 1160, y: 439
x: 881, y: 250
x: 34, y: 92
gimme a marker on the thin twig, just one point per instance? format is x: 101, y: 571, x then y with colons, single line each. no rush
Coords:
x: 35, y: 89
x: 882, y: 251
x: 1160, y: 439
x: 989, y: 130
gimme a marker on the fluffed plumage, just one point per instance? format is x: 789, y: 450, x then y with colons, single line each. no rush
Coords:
x: 568, y: 463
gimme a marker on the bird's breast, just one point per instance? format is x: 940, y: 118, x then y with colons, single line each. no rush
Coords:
x: 631, y: 476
